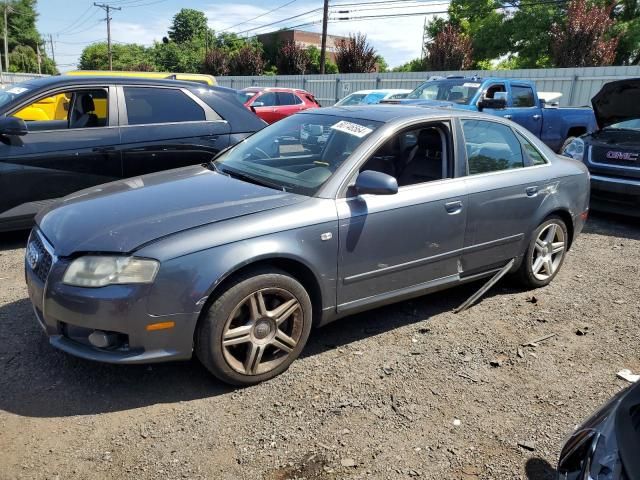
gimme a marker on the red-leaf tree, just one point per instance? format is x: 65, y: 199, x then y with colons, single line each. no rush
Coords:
x: 585, y: 38
x: 216, y: 62
x: 248, y: 60
x: 355, y: 55
x: 293, y: 59
x: 450, y: 49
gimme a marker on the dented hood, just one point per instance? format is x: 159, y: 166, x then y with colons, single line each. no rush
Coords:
x: 617, y: 101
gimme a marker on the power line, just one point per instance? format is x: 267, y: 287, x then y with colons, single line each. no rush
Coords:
x: 281, y: 21
x: 259, y: 16
x: 107, y: 8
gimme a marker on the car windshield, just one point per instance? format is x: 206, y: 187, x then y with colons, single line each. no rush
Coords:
x: 243, y: 97
x: 297, y: 154
x: 458, y: 91
x: 374, y: 97
x: 633, y: 124
x: 12, y: 92
x: 353, y: 99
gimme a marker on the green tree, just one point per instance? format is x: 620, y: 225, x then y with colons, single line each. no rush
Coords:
x: 293, y: 59
x: 125, y: 57
x: 188, y: 25
x: 248, y: 60
x: 24, y: 39
x: 415, y: 65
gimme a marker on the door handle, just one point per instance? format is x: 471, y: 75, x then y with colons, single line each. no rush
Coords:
x: 531, y: 191
x: 453, y: 207
x: 507, y: 116
x: 536, y: 117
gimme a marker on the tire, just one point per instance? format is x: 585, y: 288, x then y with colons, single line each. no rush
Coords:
x: 566, y: 143
x: 543, y: 258
x: 256, y: 328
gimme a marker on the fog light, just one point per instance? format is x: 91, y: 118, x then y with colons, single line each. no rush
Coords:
x: 102, y: 339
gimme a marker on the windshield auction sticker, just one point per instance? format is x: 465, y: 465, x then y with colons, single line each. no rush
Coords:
x: 352, y: 128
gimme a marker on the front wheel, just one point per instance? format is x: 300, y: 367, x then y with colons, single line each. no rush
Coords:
x: 255, y: 329
x: 545, y: 253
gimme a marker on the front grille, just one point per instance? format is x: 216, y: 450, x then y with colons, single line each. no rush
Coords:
x: 44, y: 259
x: 615, y: 156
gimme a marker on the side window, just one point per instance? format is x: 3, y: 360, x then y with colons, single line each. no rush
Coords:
x: 147, y: 105
x: 532, y: 153
x: 286, y: 98
x: 491, y: 91
x: 267, y: 99
x: 413, y: 156
x: 491, y: 147
x: 66, y: 110
x: 522, y: 96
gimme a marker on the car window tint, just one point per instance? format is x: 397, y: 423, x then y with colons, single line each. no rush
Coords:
x: 67, y: 110
x: 267, y: 99
x: 160, y: 105
x: 286, y: 98
x: 535, y: 157
x: 491, y: 147
x: 522, y: 96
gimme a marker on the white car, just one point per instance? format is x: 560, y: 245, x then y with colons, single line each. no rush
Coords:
x: 368, y: 97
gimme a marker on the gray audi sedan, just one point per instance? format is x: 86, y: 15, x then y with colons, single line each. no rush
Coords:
x: 238, y: 259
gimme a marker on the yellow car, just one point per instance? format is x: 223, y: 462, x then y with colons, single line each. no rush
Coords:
x: 56, y: 107
x: 187, y: 77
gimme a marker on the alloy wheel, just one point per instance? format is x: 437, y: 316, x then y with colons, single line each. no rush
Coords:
x: 262, y: 330
x: 549, y: 250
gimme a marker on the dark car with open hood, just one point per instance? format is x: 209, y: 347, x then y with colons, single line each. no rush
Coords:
x: 612, y: 153
x: 606, y: 446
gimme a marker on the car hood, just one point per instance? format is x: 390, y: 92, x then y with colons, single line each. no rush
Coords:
x: 123, y: 215
x: 617, y: 101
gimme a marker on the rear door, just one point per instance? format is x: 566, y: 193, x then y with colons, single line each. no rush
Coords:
x: 72, y: 144
x: 507, y: 185
x: 524, y: 109
x: 288, y: 104
x: 165, y: 127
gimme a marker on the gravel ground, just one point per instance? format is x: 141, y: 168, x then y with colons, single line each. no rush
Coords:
x: 410, y: 390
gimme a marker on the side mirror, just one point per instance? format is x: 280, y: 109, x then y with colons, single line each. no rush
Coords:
x: 376, y: 183
x: 498, y: 101
x: 13, y: 126
x: 257, y: 104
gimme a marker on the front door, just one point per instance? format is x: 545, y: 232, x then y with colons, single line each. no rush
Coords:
x: 410, y: 241
x: 166, y: 128
x: 71, y: 144
x: 266, y: 107
x: 523, y: 108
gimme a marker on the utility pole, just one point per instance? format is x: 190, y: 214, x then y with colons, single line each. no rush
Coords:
x: 39, y: 59
x: 423, y: 50
x: 7, y: 9
x: 323, y: 47
x: 107, y: 8
x: 53, y: 52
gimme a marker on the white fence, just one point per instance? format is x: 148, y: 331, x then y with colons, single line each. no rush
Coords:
x: 577, y: 85
x: 9, y: 78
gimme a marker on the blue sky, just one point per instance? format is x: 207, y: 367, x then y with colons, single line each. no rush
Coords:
x: 75, y: 24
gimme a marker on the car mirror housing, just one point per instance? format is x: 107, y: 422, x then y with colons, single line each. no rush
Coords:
x: 258, y: 104
x: 498, y: 101
x: 376, y: 183
x: 13, y: 126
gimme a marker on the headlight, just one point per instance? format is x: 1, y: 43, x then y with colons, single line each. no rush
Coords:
x: 98, y: 271
x: 575, y: 149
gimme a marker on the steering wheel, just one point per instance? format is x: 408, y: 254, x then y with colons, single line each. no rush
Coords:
x: 266, y: 155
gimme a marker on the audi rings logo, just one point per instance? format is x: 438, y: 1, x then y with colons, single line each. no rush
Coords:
x: 33, y: 256
x: 613, y: 155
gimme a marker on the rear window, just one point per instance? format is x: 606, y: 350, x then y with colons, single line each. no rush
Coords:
x: 160, y: 105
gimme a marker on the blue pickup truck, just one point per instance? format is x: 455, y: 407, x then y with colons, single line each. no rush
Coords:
x: 514, y: 99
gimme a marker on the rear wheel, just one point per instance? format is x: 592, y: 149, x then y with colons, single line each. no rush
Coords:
x: 545, y: 253
x: 255, y: 329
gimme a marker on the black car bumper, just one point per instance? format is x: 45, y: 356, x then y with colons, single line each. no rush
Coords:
x: 615, y: 194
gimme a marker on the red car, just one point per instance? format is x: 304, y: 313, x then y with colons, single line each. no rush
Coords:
x: 273, y: 104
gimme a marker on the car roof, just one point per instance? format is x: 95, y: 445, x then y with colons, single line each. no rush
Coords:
x: 62, y: 80
x: 387, y: 113
x: 276, y: 89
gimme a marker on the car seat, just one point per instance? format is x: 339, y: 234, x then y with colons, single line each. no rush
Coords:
x: 424, y: 162
x: 83, y: 115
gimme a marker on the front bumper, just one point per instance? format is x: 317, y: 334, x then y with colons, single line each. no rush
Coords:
x: 70, y: 314
x: 615, y: 194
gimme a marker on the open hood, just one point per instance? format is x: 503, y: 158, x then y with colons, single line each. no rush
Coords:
x: 617, y: 101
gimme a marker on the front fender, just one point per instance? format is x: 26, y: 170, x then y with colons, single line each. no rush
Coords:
x: 183, y: 284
